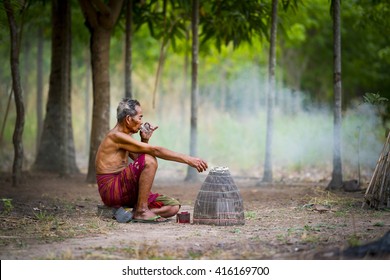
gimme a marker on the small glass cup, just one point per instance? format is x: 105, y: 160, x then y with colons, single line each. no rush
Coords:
x: 145, y: 127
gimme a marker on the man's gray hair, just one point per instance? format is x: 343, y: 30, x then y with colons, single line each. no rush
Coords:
x: 126, y: 108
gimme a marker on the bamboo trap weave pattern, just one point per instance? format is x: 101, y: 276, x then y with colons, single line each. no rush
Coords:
x: 219, y: 201
x: 378, y: 192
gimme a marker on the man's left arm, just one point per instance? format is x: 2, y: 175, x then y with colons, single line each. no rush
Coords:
x: 134, y: 156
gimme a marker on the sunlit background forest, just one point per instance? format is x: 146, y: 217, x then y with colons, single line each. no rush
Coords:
x: 232, y: 91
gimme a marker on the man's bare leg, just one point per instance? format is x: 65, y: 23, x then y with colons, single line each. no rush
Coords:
x: 146, y: 179
x: 166, y: 211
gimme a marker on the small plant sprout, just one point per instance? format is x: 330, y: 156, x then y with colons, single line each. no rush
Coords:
x: 7, y: 205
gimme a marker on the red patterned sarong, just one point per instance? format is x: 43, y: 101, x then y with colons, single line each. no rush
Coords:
x: 121, y: 189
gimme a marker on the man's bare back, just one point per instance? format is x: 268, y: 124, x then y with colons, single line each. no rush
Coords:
x: 110, y: 158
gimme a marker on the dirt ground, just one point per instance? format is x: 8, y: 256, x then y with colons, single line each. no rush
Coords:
x: 49, y: 217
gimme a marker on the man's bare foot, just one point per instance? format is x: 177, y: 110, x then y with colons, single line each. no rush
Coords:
x: 147, y: 215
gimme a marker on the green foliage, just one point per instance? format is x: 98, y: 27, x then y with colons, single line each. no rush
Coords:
x: 7, y: 205
x: 376, y: 13
x: 365, y: 55
x: 374, y: 98
x: 306, y: 33
x: 297, y: 34
x: 167, y: 22
x: 234, y: 21
x: 292, y: 4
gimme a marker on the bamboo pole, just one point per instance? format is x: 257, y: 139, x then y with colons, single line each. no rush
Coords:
x: 5, y: 117
x: 379, y: 185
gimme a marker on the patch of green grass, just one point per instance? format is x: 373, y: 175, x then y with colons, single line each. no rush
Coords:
x: 96, y: 224
x: 297, y: 166
x: 69, y: 207
x: 250, y: 215
x: 378, y: 214
x: 333, y: 200
x: 281, y: 237
x: 325, y: 226
x: 291, y: 231
x: 128, y: 251
x: 311, y: 228
x: 353, y: 240
x: 310, y: 238
x: 195, y: 255
x: 379, y: 224
x: 255, y: 238
x: 42, y: 215
x: 341, y: 213
x: 21, y: 243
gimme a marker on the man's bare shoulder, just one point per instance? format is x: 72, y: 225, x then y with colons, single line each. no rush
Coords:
x: 117, y: 140
x: 113, y: 140
x: 120, y: 137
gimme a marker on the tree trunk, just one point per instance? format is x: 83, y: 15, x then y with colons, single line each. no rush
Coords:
x: 87, y: 108
x: 267, y: 177
x: 17, y: 89
x: 224, y: 90
x: 337, y: 174
x: 128, y: 47
x: 39, y: 99
x: 191, y: 172
x: 100, y: 44
x: 184, y: 92
x: 100, y: 20
x: 5, y: 116
x: 26, y: 69
x: 56, y: 151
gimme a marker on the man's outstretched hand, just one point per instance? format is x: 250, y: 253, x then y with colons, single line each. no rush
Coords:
x: 199, y: 164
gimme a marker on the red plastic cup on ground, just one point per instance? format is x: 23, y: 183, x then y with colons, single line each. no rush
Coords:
x: 183, y: 218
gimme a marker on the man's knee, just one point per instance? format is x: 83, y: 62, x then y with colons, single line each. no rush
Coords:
x: 173, y: 210
x: 151, y: 161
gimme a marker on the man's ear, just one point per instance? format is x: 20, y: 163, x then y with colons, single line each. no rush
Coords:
x: 128, y: 119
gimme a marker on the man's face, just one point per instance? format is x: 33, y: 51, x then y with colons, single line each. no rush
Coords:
x: 134, y: 123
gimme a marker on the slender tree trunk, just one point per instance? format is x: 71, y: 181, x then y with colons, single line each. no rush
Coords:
x: 128, y: 47
x: 223, y: 89
x: 100, y: 20
x: 337, y: 175
x: 191, y: 172
x: 184, y: 92
x: 100, y: 45
x: 26, y: 69
x: 267, y: 177
x: 39, y: 99
x: 5, y: 117
x: 87, y: 109
x: 56, y: 151
x: 17, y: 89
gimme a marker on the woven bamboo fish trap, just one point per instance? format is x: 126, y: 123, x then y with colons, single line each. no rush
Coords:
x: 378, y: 192
x: 219, y: 201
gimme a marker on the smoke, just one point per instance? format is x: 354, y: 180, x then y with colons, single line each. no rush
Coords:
x: 232, y: 130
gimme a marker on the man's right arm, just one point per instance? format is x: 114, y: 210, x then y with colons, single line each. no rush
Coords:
x: 128, y: 143
x: 167, y: 154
